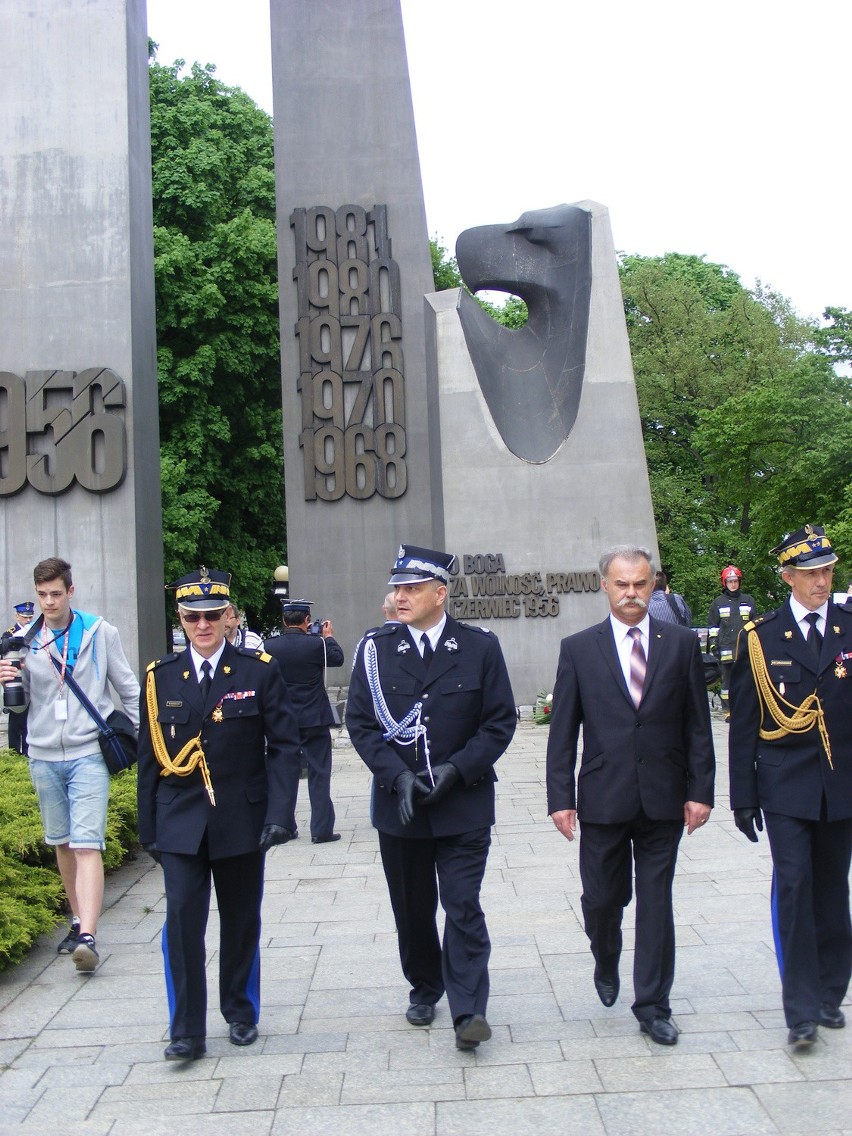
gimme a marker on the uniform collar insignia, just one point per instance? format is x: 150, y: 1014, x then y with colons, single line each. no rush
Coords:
x: 788, y: 634
x: 836, y: 629
x: 186, y: 674
x: 227, y: 670
x: 403, y: 646
x: 451, y: 644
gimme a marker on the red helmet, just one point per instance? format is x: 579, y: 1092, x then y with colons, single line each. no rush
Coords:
x: 731, y: 570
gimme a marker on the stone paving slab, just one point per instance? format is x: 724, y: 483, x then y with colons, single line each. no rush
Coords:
x: 84, y: 1054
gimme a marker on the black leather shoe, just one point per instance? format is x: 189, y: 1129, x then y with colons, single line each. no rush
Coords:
x: 420, y: 1014
x: 803, y: 1035
x: 185, y: 1049
x: 607, y: 986
x: 325, y: 839
x: 660, y: 1030
x: 242, y: 1033
x: 831, y: 1017
x: 470, y: 1030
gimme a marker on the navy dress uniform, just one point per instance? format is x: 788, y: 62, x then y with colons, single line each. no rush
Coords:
x: 303, y: 659
x: 17, y: 722
x: 218, y: 775
x: 791, y: 765
x: 431, y: 730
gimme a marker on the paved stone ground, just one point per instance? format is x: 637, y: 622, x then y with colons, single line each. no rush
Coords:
x: 84, y: 1054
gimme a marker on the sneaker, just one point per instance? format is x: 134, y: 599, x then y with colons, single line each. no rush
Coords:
x: 66, y: 947
x: 84, y: 955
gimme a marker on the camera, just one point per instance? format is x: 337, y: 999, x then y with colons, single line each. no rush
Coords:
x: 316, y: 627
x: 13, y: 649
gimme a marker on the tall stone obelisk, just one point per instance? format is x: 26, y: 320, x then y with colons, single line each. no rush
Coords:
x: 354, y: 266
x: 79, y: 437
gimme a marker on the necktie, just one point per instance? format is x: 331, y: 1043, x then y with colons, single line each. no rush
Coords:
x: 638, y: 666
x: 814, y: 637
x: 206, y: 680
x: 427, y: 649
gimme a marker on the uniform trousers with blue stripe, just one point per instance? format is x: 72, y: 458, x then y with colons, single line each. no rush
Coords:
x: 238, y: 881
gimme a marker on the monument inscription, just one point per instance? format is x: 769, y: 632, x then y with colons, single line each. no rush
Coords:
x: 481, y: 588
x: 62, y: 427
x: 351, y: 369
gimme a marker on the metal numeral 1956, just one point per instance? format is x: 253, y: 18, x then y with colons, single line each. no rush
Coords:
x: 62, y: 427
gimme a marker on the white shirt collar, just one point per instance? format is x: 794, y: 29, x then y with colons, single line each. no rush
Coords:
x: 800, y: 614
x: 434, y: 634
x: 620, y: 629
x: 197, y: 660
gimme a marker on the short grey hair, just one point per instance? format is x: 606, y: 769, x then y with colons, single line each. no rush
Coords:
x: 631, y: 552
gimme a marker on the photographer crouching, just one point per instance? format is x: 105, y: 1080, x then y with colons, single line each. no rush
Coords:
x: 303, y: 651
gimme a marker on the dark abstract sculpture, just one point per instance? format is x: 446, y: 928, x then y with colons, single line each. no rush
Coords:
x: 531, y: 377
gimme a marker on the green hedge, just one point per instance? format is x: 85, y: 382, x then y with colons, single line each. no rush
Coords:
x: 31, y: 895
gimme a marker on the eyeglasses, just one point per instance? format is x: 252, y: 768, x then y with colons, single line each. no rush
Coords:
x: 209, y: 616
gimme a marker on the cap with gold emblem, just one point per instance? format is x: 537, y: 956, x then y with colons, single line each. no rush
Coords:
x: 806, y: 548
x: 27, y: 608
x: 204, y: 590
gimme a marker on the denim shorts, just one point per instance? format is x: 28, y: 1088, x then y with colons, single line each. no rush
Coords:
x: 72, y: 798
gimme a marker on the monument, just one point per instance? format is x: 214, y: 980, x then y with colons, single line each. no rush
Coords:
x: 79, y: 436
x: 411, y: 415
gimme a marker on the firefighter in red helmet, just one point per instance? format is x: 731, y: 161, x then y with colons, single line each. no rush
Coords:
x: 729, y: 613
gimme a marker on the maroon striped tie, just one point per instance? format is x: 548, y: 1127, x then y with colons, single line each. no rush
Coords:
x: 638, y: 666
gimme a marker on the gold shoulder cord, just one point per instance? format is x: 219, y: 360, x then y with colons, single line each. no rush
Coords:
x: 803, y: 718
x: 190, y: 756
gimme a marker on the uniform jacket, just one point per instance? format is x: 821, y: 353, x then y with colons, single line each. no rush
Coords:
x: 468, y: 710
x: 791, y: 775
x: 252, y: 754
x: 655, y: 758
x: 300, y: 657
x: 729, y: 613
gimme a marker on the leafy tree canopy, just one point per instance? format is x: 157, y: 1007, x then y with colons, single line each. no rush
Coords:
x: 217, y: 331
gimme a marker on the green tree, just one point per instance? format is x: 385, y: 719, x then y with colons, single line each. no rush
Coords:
x: 218, y: 358
x: 744, y: 423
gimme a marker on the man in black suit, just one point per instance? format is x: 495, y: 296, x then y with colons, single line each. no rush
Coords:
x: 303, y: 659
x: 791, y: 757
x: 636, y: 686
x: 430, y: 711
x: 218, y: 775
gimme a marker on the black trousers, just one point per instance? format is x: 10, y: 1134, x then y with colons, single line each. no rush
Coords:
x: 239, y: 890
x: 316, y: 746
x: 810, y: 912
x: 608, y: 855
x: 419, y: 872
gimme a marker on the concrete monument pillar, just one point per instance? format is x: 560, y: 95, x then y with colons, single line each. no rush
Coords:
x: 528, y: 530
x: 354, y: 265
x: 79, y: 436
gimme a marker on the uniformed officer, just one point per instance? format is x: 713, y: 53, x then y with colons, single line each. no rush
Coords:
x: 791, y: 757
x: 303, y: 659
x: 218, y: 774
x: 430, y: 710
x: 17, y: 723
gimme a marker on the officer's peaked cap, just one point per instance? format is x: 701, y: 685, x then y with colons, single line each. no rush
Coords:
x: 806, y: 548
x: 415, y: 564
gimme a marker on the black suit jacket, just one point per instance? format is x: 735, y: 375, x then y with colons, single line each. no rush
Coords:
x: 791, y: 775
x: 252, y: 754
x: 301, y: 659
x: 468, y: 710
x: 655, y: 758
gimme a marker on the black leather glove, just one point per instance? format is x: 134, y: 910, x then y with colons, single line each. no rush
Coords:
x: 151, y: 849
x: 746, y: 820
x: 407, y: 791
x: 274, y: 834
x: 446, y: 776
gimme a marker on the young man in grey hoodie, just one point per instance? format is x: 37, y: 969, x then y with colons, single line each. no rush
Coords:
x: 66, y: 766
